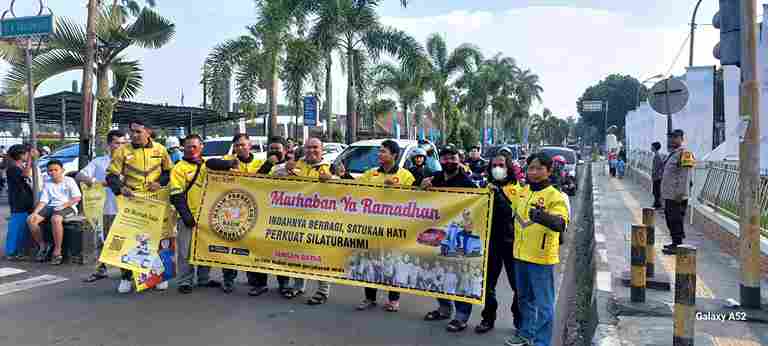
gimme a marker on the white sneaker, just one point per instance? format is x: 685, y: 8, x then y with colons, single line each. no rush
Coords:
x: 125, y: 286
x: 162, y: 286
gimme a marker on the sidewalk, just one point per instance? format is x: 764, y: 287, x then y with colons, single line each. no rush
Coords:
x: 618, y: 204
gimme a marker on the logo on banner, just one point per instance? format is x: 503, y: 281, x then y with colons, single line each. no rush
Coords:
x: 233, y: 215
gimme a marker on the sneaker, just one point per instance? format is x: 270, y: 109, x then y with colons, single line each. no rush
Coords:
x: 162, y: 286
x: 228, y: 287
x: 125, y: 287
x: 185, y: 289
x: 366, y: 305
x: 518, y: 340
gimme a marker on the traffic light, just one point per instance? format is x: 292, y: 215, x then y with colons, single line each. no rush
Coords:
x: 728, y: 20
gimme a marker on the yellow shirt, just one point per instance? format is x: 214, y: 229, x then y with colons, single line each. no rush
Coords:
x: 242, y: 167
x: 512, y: 191
x: 535, y: 243
x: 140, y: 167
x: 377, y: 176
x: 182, y: 176
x: 304, y: 169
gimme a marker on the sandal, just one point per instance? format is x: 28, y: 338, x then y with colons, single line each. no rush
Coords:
x: 456, y: 326
x: 57, y: 260
x: 392, y: 306
x: 317, y: 299
x: 435, y: 316
x: 95, y: 277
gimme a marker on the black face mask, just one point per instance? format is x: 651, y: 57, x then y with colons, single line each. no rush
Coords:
x: 276, y: 153
x: 451, y: 168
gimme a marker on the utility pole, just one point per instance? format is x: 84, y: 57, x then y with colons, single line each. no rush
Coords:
x: 32, y: 115
x: 749, y: 159
x: 86, y: 119
x: 693, y: 32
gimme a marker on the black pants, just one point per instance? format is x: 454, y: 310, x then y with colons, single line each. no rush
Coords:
x: 370, y: 294
x: 674, y: 212
x: 254, y: 279
x: 657, y: 193
x: 499, y: 256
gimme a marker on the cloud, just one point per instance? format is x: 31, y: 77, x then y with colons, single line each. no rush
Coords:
x: 569, y: 48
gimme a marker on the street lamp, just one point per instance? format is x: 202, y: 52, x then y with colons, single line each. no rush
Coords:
x: 643, y: 83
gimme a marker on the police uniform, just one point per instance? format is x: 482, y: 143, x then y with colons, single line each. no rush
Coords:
x: 136, y: 167
x: 675, y: 190
x: 398, y: 176
x: 186, y: 189
x: 541, y: 215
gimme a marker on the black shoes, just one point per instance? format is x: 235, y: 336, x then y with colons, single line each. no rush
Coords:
x: 185, y: 289
x: 484, y: 327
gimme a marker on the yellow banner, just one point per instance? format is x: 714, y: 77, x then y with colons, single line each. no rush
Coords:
x: 94, y: 197
x: 134, y: 238
x: 425, y: 242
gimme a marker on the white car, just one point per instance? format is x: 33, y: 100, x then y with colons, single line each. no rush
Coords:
x: 332, y: 150
x: 215, y: 148
x: 364, y: 155
x: 67, y: 154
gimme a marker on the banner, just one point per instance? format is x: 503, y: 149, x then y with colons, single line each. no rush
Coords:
x: 425, y: 242
x: 93, y: 208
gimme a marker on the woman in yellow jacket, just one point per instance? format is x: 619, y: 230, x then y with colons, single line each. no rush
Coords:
x: 541, y: 215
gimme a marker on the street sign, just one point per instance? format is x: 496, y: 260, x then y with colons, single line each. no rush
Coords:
x: 310, y: 111
x: 26, y: 26
x: 592, y: 106
x: 669, y: 96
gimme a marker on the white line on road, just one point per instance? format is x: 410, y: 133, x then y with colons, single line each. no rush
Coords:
x: 26, y: 284
x: 10, y: 271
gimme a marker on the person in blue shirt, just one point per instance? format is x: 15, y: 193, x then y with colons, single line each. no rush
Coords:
x: 174, y: 151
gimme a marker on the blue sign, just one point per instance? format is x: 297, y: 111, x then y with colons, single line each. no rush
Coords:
x: 26, y: 26
x: 310, y: 111
x: 525, y: 135
x: 488, y: 136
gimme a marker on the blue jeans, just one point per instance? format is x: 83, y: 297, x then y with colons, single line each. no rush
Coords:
x: 463, y: 310
x: 536, y: 297
x: 16, y: 238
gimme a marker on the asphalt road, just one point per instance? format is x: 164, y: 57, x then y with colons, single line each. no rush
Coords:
x: 46, y: 305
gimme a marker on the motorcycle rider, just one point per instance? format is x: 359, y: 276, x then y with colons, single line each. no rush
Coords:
x: 419, y: 169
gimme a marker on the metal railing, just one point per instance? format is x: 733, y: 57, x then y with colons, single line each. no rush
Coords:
x: 641, y: 160
x: 721, y: 192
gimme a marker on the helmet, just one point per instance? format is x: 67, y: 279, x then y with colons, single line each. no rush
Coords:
x: 559, y: 159
x: 419, y: 152
x: 172, y: 142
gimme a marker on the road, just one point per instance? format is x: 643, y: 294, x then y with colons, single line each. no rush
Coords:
x: 63, y: 311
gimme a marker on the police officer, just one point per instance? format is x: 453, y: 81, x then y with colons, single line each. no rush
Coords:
x: 142, y: 166
x: 675, y: 188
x: 243, y: 161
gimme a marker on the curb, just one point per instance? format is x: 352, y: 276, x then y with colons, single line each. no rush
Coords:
x: 606, y: 333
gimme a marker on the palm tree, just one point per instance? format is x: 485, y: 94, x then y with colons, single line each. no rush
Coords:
x: 241, y: 57
x: 300, y: 64
x: 131, y: 7
x: 66, y: 53
x: 443, y: 66
x: 408, y: 85
x: 528, y: 91
x: 354, y: 27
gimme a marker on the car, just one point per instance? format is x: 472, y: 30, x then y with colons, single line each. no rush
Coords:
x: 364, y: 155
x: 332, y: 150
x: 67, y: 154
x: 216, y: 148
x: 570, y: 156
x: 489, y: 152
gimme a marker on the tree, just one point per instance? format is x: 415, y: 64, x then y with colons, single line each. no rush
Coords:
x: 66, y: 53
x: 242, y: 57
x: 620, y: 91
x: 408, y: 85
x: 354, y: 27
x: 300, y: 65
x: 443, y: 66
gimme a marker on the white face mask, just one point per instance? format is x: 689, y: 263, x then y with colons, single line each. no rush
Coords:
x: 499, y: 173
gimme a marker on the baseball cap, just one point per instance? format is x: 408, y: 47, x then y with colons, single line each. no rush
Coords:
x: 448, y: 150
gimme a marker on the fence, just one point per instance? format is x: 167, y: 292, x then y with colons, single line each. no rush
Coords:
x: 721, y: 192
x: 641, y: 160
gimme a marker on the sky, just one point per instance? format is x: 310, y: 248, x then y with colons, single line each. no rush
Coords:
x: 570, y: 44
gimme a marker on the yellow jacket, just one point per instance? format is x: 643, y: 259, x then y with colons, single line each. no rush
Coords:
x: 536, y: 243
x: 185, y: 176
x: 243, y: 167
x: 377, y: 176
x: 137, y: 167
x: 304, y: 169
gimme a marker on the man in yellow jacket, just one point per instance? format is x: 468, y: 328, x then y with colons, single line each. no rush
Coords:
x: 541, y: 215
x: 141, y: 166
x: 310, y: 166
x: 243, y: 161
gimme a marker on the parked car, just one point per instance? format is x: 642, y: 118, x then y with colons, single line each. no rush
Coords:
x: 569, y: 154
x: 332, y: 150
x: 218, y: 147
x: 67, y: 154
x: 364, y: 155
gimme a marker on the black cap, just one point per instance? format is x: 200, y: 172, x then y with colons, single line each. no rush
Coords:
x: 448, y: 150
x: 677, y: 133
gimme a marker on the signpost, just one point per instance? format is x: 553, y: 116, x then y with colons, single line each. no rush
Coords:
x: 669, y: 97
x: 24, y: 30
x: 310, y: 111
x: 598, y: 106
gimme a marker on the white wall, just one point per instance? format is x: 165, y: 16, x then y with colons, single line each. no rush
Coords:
x: 696, y: 119
x: 643, y: 127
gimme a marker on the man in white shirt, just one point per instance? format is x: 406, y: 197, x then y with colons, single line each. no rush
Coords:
x: 95, y: 173
x: 58, y: 200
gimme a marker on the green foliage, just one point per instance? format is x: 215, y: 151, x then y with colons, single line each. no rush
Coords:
x: 621, y: 93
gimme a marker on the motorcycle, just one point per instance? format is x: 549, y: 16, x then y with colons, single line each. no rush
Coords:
x: 568, y: 184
